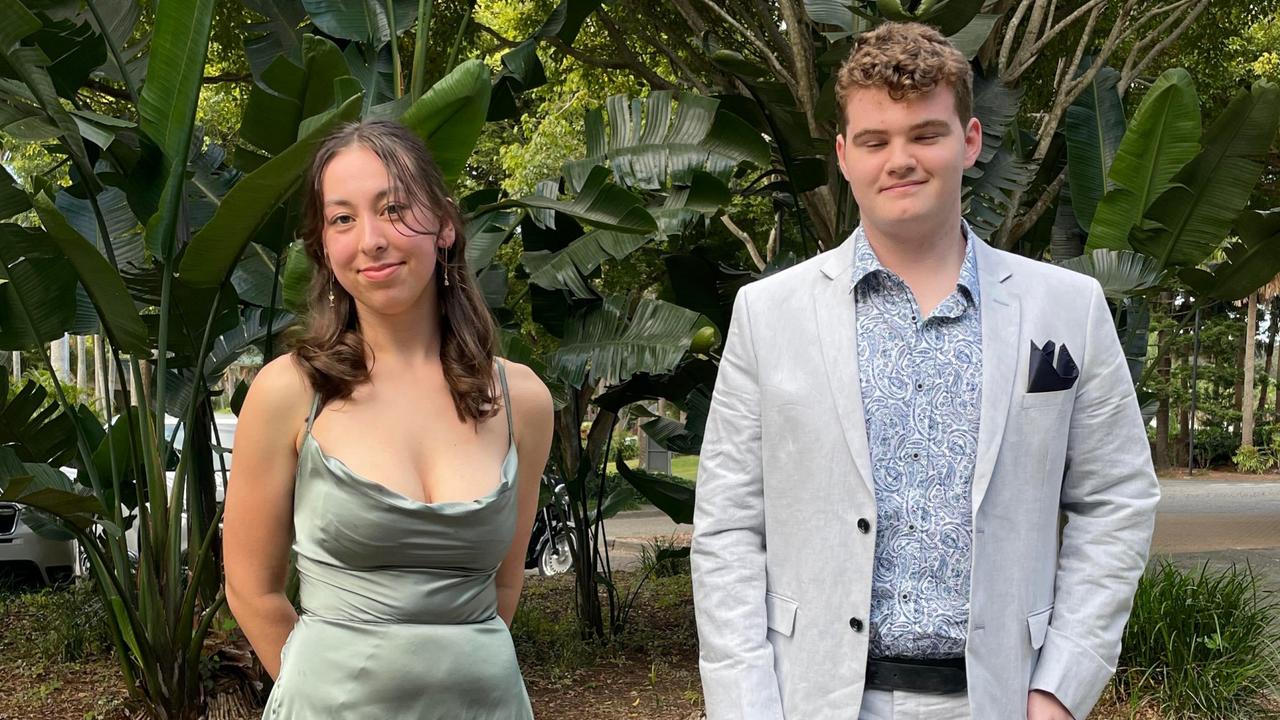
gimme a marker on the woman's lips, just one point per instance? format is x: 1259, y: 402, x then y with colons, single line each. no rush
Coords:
x: 380, y: 272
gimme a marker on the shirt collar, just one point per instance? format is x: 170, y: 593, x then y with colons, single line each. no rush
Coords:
x: 865, y: 261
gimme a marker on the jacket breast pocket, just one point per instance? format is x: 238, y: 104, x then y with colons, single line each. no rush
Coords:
x: 1038, y: 624
x: 1051, y: 399
x: 781, y: 613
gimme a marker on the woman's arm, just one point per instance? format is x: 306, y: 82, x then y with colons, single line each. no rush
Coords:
x: 258, y: 519
x: 532, y: 413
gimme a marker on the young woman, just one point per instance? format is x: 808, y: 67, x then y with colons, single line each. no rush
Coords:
x: 395, y: 455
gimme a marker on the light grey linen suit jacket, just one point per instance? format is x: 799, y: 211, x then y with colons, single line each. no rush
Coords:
x: 780, y: 568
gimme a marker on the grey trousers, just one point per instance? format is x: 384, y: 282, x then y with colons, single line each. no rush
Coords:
x: 903, y: 705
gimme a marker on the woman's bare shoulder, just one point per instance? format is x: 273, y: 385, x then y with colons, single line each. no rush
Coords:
x: 280, y: 390
x: 529, y: 394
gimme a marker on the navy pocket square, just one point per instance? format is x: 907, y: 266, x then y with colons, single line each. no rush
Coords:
x: 1045, y: 375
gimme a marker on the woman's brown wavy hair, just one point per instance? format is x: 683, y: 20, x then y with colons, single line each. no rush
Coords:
x: 328, y: 344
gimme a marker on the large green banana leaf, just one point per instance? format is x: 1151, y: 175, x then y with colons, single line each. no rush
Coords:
x: 599, y: 203
x: 1190, y: 220
x: 100, y: 280
x: 1094, y: 126
x: 1251, y: 262
x: 37, y: 289
x: 39, y: 486
x: 675, y: 500
x: 1120, y: 272
x: 12, y: 199
x: 1162, y: 139
x: 167, y: 107
x: 649, y: 147
x: 450, y: 115
x: 604, y: 343
x: 362, y: 20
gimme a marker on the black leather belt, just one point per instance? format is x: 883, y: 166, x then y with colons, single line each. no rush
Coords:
x: 923, y: 676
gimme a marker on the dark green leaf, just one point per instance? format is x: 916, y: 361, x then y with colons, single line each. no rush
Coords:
x: 1094, y: 125
x: 99, y: 279
x: 1163, y: 137
x: 361, y: 20
x: 1120, y: 272
x: 37, y: 289
x: 603, y: 343
x: 449, y: 116
x: 1191, y: 219
x: 676, y: 500
x: 167, y: 107
x: 1251, y: 262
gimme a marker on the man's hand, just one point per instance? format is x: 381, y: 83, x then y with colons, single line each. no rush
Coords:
x: 1044, y: 706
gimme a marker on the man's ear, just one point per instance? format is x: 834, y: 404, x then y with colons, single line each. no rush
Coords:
x: 840, y: 156
x: 972, y: 142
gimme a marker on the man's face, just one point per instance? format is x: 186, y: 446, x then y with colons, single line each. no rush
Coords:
x: 904, y: 159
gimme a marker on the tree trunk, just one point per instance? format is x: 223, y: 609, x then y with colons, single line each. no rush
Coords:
x: 1250, y: 346
x: 1238, y: 388
x: 1163, y: 368
x: 1260, y: 412
x: 60, y: 354
x: 17, y: 366
x: 100, y: 373
x: 82, y: 367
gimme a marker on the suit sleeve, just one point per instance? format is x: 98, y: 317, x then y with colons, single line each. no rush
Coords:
x: 1109, y: 496
x: 728, y: 555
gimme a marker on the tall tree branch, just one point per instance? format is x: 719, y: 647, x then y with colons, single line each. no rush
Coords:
x: 766, y: 54
x: 746, y: 240
x: 1132, y: 70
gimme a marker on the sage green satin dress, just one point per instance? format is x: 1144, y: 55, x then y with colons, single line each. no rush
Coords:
x: 399, y: 606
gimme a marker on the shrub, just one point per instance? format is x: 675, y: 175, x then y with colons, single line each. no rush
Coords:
x: 1215, y: 446
x: 664, y: 557
x: 1199, y: 644
x: 63, y: 624
x: 1250, y: 459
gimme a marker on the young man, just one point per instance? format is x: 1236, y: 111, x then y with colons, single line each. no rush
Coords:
x: 896, y: 428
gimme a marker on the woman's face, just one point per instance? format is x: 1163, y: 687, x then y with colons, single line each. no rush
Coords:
x: 381, y: 250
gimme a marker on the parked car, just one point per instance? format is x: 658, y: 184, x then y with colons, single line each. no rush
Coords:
x: 28, y: 558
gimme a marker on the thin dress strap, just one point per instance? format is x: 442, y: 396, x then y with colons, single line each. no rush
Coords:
x: 315, y: 406
x: 506, y: 399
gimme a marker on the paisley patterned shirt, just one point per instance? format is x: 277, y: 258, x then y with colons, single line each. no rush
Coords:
x: 921, y: 381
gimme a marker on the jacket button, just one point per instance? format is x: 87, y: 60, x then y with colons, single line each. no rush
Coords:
x: 864, y: 526
x: 856, y: 624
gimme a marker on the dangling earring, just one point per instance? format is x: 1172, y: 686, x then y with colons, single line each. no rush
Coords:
x: 330, y: 289
x: 446, y: 266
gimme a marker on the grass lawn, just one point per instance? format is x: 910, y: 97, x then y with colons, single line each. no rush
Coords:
x: 685, y: 466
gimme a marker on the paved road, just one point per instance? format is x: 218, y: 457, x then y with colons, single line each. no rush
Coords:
x: 1220, y: 519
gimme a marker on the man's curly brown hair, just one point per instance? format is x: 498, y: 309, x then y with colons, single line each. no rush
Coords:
x: 907, y: 59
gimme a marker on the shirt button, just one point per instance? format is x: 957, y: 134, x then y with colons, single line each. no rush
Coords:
x: 919, y: 386
x: 911, y: 527
x: 864, y: 526
x: 856, y: 624
x: 904, y: 596
x: 915, y: 456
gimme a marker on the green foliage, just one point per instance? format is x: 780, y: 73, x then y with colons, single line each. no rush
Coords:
x: 62, y: 624
x: 1249, y: 459
x: 1200, y: 644
x: 664, y: 558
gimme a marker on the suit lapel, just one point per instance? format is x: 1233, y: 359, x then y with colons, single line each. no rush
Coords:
x: 837, y: 328
x: 1001, y: 341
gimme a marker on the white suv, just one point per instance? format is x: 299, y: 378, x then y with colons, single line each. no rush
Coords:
x: 26, y: 556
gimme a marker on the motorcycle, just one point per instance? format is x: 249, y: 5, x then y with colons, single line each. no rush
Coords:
x: 552, y: 542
